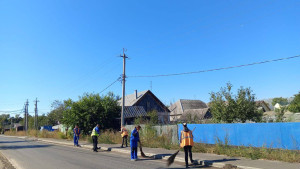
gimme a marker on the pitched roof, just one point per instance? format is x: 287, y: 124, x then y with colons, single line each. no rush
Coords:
x: 130, y: 99
x: 263, y: 104
x: 182, y: 104
x: 134, y: 111
x: 197, y: 114
x: 192, y: 104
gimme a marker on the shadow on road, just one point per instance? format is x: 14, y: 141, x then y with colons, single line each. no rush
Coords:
x: 210, y: 162
x: 11, y: 141
x: 23, y: 147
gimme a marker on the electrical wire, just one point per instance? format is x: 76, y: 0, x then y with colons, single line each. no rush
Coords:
x: 10, y: 111
x: 110, y: 85
x: 217, y: 69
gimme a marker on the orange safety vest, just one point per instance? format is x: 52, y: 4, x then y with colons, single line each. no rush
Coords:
x: 124, y: 132
x: 186, y: 139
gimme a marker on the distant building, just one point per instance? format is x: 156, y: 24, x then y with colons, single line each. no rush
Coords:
x: 189, y: 110
x: 139, y: 104
x: 262, y: 105
x: 277, y: 106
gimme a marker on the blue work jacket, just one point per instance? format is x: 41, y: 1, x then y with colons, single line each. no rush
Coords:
x: 134, y: 138
x: 76, y: 131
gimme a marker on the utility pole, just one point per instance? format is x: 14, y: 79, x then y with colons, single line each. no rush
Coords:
x: 123, y: 87
x: 11, y: 123
x: 26, y: 115
x: 36, y: 126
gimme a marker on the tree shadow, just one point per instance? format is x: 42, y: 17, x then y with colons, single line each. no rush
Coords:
x: 11, y: 141
x: 211, y: 162
x: 22, y: 147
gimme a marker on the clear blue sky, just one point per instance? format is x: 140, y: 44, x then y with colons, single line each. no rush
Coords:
x: 55, y: 50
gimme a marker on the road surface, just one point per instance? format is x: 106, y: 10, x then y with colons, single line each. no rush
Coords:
x: 36, y: 155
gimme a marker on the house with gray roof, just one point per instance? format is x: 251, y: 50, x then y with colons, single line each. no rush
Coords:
x: 189, y: 110
x: 139, y: 104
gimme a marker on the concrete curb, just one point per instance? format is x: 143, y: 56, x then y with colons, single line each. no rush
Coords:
x: 154, y: 156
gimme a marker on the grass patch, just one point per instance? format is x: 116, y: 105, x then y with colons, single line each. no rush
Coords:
x: 149, y: 138
x: 41, y: 134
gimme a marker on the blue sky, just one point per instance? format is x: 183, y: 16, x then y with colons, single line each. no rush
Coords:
x: 54, y: 50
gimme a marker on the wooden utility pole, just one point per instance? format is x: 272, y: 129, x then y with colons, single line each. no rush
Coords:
x: 36, y: 126
x: 26, y: 115
x: 123, y: 87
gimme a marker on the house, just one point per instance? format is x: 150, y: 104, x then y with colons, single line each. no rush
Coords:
x: 277, y: 106
x: 18, y: 127
x: 139, y: 104
x: 262, y: 105
x: 189, y: 110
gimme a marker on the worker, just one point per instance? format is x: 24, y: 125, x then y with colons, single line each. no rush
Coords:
x: 124, y: 134
x: 187, y: 142
x: 76, y: 132
x: 95, y: 134
x: 134, y: 139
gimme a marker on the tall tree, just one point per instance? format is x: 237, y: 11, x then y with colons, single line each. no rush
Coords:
x: 56, y: 114
x: 91, y: 109
x: 282, y: 101
x: 4, y: 120
x: 295, y: 104
x: 228, y: 108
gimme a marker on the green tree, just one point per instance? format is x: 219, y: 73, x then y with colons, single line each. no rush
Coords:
x: 56, y: 114
x: 43, y: 120
x: 91, y: 109
x: 279, y: 113
x: 227, y: 107
x: 295, y: 104
x: 4, y: 120
x: 153, y: 117
x: 282, y: 101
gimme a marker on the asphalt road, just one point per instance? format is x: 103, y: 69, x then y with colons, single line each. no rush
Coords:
x: 36, y: 155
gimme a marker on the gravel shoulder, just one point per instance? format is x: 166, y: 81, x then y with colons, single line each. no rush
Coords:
x: 4, y: 163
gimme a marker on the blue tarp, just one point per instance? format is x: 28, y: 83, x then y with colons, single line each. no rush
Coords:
x: 49, y: 128
x: 271, y: 135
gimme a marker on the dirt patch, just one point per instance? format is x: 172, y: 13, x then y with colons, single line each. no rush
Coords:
x: 230, y: 166
x: 4, y: 163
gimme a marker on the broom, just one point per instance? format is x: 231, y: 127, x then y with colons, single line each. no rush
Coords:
x: 142, y: 153
x: 171, y: 159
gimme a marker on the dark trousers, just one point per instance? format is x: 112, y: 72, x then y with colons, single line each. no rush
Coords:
x: 188, y: 149
x: 95, y: 142
x: 124, y: 139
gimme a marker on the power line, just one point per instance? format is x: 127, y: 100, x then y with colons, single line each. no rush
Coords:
x: 217, y: 69
x: 110, y: 85
x: 10, y: 111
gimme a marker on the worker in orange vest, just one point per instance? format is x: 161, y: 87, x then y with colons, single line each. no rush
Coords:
x: 124, y: 134
x: 187, y: 142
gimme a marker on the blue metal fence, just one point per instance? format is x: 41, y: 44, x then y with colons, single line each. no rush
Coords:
x: 271, y: 135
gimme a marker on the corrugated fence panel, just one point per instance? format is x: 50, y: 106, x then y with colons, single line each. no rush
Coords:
x: 271, y: 135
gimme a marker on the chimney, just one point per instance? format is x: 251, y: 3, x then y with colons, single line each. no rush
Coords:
x: 135, y: 92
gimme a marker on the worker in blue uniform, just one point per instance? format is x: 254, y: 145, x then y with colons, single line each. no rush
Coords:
x: 76, y: 132
x: 134, y: 139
